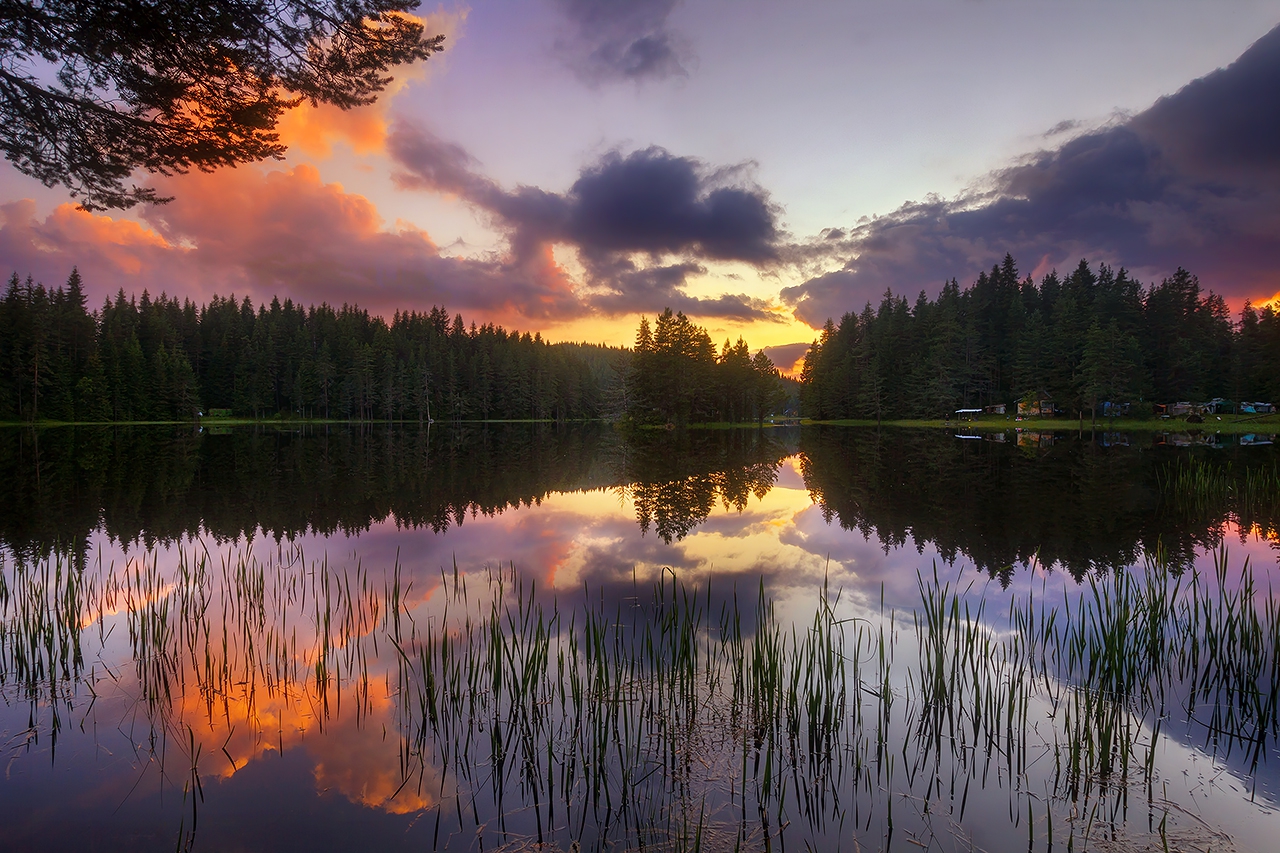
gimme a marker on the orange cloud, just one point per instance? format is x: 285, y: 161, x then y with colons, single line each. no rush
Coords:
x: 316, y: 129
x: 121, y: 246
x: 263, y: 233
x: 357, y: 760
x: 1273, y: 302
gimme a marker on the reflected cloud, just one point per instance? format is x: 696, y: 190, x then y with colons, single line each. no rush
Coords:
x: 348, y: 654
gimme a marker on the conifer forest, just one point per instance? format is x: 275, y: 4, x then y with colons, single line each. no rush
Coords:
x: 1094, y: 335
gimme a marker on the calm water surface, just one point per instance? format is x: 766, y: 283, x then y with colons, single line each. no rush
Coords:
x: 505, y: 637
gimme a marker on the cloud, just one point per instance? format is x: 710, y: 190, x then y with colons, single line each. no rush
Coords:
x: 788, y: 357
x: 1065, y: 126
x: 428, y: 162
x: 260, y: 232
x: 285, y: 233
x: 316, y: 128
x: 1192, y: 181
x: 624, y: 288
x: 119, y: 250
x: 622, y: 40
x: 648, y: 203
x: 651, y: 201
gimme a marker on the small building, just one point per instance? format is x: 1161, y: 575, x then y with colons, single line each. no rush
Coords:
x: 996, y: 409
x: 1109, y: 409
x: 1036, y: 404
x: 967, y: 414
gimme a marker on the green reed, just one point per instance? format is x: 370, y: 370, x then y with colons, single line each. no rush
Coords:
x: 679, y: 716
x: 1202, y: 489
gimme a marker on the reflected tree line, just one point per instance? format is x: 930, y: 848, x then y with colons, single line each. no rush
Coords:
x: 155, y: 484
x: 1074, y: 504
x: 677, y: 479
x: 158, y: 484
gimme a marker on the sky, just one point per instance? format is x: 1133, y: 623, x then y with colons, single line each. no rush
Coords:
x: 566, y: 166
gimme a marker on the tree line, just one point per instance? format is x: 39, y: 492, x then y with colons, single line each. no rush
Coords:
x: 1080, y: 340
x: 676, y: 376
x: 158, y: 359
x: 161, y: 359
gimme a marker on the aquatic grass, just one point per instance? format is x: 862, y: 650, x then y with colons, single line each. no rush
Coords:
x: 1251, y: 497
x: 683, y: 715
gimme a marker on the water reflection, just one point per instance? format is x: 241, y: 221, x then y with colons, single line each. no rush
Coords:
x: 477, y: 712
x: 149, y: 485
x: 455, y: 641
x: 153, y: 485
x: 1055, y: 500
x: 1079, y: 503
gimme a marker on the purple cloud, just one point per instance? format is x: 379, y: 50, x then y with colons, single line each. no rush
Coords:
x: 622, y: 40
x: 648, y: 203
x: 1192, y: 181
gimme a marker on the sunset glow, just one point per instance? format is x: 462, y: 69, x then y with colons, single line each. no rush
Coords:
x: 611, y: 425
x: 524, y: 177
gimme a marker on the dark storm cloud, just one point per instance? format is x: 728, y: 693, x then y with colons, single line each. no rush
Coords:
x: 1192, y: 181
x: 624, y: 288
x: 622, y: 40
x: 649, y: 203
x: 629, y: 288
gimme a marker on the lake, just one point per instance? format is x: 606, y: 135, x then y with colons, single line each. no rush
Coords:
x: 512, y: 637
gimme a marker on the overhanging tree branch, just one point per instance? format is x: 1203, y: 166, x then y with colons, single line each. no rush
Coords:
x: 93, y: 90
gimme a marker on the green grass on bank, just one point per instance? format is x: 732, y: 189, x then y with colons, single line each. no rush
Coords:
x: 275, y: 421
x: 278, y: 421
x: 1212, y: 423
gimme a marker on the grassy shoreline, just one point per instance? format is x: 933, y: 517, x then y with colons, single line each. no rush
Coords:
x: 236, y: 422
x: 1212, y: 423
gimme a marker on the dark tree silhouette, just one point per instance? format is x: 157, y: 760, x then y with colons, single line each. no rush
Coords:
x: 1089, y: 337
x: 91, y: 90
x: 677, y: 378
x: 161, y: 359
